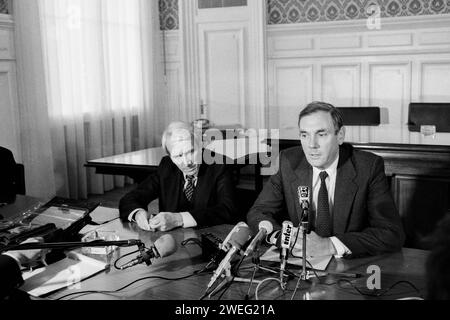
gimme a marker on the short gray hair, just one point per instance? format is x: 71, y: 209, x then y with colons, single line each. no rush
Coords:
x: 179, y: 129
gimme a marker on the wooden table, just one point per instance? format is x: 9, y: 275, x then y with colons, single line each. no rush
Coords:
x: 405, y: 265
x: 138, y: 164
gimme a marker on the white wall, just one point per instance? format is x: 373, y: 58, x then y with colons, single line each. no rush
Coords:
x: 345, y: 63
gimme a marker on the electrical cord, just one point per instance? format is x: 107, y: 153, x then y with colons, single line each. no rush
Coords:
x: 121, y: 257
x: 194, y: 240
x: 198, y: 272
x: 378, y: 293
x: 259, y: 285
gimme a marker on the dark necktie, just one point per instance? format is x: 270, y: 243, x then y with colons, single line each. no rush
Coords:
x: 323, y: 219
x: 189, y: 189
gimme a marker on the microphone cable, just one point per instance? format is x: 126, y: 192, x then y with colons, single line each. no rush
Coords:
x: 379, y: 292
x: 126, y: 255
x: 81, y: 293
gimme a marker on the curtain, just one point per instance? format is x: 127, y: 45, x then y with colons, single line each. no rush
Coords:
x: 98, y: 57
x: 35, y: 138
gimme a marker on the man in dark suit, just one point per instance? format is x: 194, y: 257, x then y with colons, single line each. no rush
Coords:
x: 352, y: 212
x: 7, y: 176
x: 190, y: 193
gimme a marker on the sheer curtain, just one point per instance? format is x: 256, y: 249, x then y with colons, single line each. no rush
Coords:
x: 100, y: 84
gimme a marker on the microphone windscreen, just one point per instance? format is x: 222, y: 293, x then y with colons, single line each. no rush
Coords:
x: 240, y: 237
x: 166, y: 245
x: 266, y: 225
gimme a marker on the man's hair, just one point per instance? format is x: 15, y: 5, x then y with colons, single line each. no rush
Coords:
x: 317, y: 106
x: 179, y: 131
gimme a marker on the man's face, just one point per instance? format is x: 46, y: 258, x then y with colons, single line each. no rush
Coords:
x: 318, y: 138
x: 183, y: 154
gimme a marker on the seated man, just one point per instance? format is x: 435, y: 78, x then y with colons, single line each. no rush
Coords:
x: 190, y: 193
x: 438, y: 262
x: 352, y: 212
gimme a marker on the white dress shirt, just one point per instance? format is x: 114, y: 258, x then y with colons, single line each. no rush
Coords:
x: 330, y: 182
x: 188, y: 219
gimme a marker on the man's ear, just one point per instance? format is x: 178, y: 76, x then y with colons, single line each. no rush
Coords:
x: 341, y: 135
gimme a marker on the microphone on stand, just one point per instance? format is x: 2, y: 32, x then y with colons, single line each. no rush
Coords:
x: 163, y: 247
x: 303, y: 196
x: 225, y: 246
x: 265, y: 227
x: 286, y: 236
x: 236, y: 241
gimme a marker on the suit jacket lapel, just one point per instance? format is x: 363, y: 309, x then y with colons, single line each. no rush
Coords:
x: 345, y: 190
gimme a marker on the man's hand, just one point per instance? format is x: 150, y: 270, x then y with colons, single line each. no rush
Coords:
x: 142, y: 218
x: 166, y: 221
x: 315, y: 245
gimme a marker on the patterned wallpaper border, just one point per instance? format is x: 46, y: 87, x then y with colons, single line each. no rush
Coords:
x: 303, y: 11
x: 4, y: 6
x: 168, y: 15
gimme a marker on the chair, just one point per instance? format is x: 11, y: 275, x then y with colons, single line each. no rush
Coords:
x: 20, y: 178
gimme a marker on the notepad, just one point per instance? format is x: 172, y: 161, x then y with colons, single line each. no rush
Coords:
x: 317, y: 263
x: 64, y: 273
x: 62, y: 217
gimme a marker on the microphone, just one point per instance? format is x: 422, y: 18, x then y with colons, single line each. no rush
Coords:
x: 265, y: 227
x: 225, y: 245
x: 236, y: 241
x: 163, y: 247
x: 303, y: 198
x: 286, y: 236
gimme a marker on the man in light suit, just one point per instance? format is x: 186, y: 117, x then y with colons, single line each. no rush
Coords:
x: 190, y: 193
x: 352, y: 212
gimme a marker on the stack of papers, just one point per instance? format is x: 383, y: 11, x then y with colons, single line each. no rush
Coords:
x: 317, y: 263
x: 64, y: 273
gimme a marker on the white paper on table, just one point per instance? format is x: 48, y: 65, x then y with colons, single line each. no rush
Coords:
x: 317, y: 263
x: 60, y: 216
x: 103, y: 214
x: 64, y: 273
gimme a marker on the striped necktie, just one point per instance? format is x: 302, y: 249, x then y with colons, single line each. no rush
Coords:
x: 189, y: 188
x: 323, y: 219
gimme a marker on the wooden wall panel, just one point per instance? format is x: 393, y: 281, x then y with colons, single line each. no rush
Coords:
x: 389, y: 88
x: 405, y: 61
